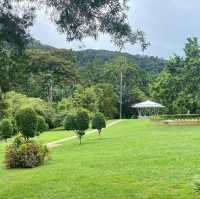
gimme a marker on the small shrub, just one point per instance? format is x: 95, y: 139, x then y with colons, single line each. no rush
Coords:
x: 98, y: 122
x: 82, y: 123
x: 25, y: 155
x: 78, y: 122
x: 26, y: 120
x: 41, y: 125
x: 70, y: 122
x: 6, y: 129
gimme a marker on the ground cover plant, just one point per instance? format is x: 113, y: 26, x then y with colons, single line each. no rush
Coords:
x: 134, y: 159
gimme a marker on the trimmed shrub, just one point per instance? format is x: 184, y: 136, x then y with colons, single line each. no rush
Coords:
x: 177, y: 117
x: 70, y: 122
x: 26, y: 119
x: 6, y: 129
x: 25, y: 155
x: 41, y: 124
x: 82, y: 123
x: 98, y: 122
x: 78, y: 122
x: 82, y: 120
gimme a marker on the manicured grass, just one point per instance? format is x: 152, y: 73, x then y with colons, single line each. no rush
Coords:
x: 133, y: 159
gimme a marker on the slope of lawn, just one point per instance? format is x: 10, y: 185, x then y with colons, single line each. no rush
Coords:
x: 133, y: 159
x: 46, y: 137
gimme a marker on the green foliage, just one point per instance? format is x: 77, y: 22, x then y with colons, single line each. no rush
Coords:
x: 177, y: 87
x: 47, y: 74
x: 107, y: 99
x: 81, y: 123
x: 91, y: 61
x: 13, y: 32
x: 70, y: 122
x: 78, y: 122
x: 19, y: 140
x: 6, y: 129
x: 98, y: 122
x: 41, y: 124
x: 178, y: 117
x: 17, y: 101
x: 25, y: 155
x: 3, y: 106
x: 26, y: 119
x: 82, y: 120
x: 85, y: 98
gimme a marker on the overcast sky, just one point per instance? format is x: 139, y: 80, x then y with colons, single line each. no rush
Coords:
x: 167, y: 25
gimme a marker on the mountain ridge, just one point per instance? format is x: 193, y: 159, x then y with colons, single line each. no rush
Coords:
x: 151, y: 64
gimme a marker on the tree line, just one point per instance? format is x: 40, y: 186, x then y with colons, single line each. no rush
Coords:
x: 177, y: 86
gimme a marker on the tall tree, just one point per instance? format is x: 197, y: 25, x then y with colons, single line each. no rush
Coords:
x: 77, y: 19
x: 178, y: 86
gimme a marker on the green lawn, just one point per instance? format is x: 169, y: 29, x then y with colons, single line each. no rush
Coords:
x: 133, y: 159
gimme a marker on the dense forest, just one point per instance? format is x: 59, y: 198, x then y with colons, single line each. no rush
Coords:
x: 151, y: 64
x: 88, y: 79
x: 64, y: 80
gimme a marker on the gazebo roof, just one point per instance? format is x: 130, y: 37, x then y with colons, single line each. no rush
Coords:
x: 148, y: 104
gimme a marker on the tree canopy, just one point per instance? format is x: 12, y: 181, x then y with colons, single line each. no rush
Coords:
x: 77, y: 19
x: 177, y: 87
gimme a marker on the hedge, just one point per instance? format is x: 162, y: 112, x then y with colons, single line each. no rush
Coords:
x: 177, y: 117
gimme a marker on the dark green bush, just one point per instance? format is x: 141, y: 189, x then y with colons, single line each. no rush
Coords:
x: 82, y: 123
x: 15, y: 131
x: 78, y: 122
x: 59, y: 119
x: 82, y: 120
x: 41, y: 124
x: 26, y: 119
x: 6, y: 129
x: 98, y: 122
x: 48, y: 115
x: 70, y: 122
x: 25, y: 155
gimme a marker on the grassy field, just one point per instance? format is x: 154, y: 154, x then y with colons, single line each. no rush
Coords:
x: 133, y: 159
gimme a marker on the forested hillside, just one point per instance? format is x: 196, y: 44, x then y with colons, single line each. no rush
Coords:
x: 91, y: 78
x: 88, y: 79
x: 153, y: 65
x: 89, y: 68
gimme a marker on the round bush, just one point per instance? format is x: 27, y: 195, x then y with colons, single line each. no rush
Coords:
x: 70, y: 122
x: 6, y: 129
x: 26, y: 120
x: 98, y: 122
x: 41, y: 124
x: 26, y: 155
x: 82, y: 120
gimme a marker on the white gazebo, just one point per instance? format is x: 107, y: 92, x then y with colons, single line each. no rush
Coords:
x: 147, y: 109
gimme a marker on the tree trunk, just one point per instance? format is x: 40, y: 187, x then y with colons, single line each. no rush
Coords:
x: 50, y: 92
x: 99, y: 131
x: 80, y: 140
x: 121, y: 94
